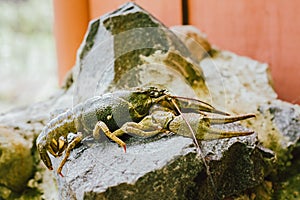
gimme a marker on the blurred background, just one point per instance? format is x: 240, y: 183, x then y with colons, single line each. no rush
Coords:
x: 39, y: 39
x: 28, y: 67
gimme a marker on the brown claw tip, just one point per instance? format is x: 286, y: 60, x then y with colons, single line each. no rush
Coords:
x: 61, y: 174
x: 124, y: 147
x: 249, y: 133
x: 50, y: 168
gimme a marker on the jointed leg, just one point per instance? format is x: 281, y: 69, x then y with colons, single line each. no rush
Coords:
x: 144, y: 128
x: 70, y: 146
x: 136, y: 129
x: 102, y: 126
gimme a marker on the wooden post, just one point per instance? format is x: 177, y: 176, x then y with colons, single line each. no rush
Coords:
x: 71, y: 18
x: 266, y: 30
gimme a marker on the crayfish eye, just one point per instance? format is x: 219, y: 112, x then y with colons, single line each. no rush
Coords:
x: 154, y: 93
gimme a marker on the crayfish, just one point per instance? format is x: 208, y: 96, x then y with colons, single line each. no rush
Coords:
x: 138, y: 112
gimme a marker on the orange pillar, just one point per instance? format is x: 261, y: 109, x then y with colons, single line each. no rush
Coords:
x: 71, y: 19
x: 266, y: 30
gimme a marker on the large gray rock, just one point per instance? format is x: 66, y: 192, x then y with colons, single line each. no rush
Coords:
x: 195, y: 40
x: 164, y: 168
x: 130, y: 48
x: 120, y: 51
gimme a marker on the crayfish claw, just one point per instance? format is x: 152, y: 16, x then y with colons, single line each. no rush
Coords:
x: 219, y: 112
x: 44, y: 155
x: 218, y: 134
x: 226, y: 120
x: 212, y: 133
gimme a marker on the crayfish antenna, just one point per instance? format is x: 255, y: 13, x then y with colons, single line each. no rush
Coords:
x: 198, y: 148
x: 226, y: 120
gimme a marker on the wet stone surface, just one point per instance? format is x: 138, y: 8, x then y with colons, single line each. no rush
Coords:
x: 167, y: 168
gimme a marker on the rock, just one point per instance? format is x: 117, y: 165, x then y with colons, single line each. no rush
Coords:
x: 241, y: 167
x: 194, y: 39
x: 279, y: 123
x: 153, y: 169
x: 236, y: 80
x: 117, y: 46
x: 165, y: 168
x: 247, y: 82
x: 21, y: 175
x: 282, y: 125
x: 16, y: 162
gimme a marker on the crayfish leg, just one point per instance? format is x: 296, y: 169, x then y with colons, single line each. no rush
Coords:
x: 113, y: 136
x: 70, y: 146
